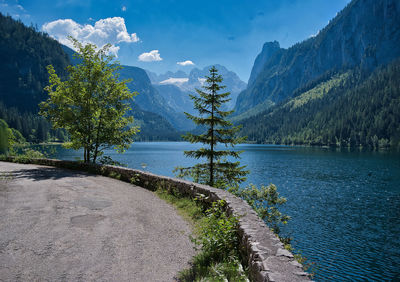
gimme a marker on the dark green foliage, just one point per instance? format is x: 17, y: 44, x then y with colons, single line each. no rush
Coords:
x: 34, y: 128
x: 153, y: 127
x: 365, y: 33
x: 218, y: 248
x: 360, y: 110
x: 266, y: 202
x: 218, y: 171
x: 9, y: 138
x: 218, y: 235
x: 24, y: 55
x: 3, y: 137
x: 17, y: 137
x: 216, y: 239
x: 26, y: 156
x: 107, y: 160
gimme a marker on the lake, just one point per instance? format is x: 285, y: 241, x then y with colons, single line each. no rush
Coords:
x: 345, y: 205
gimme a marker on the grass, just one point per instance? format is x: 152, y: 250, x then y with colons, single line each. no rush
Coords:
x: 204, y: 266
x: 187, y: 208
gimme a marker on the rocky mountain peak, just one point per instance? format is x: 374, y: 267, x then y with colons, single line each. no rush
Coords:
x: 364, y: 34
x: 268, y: 50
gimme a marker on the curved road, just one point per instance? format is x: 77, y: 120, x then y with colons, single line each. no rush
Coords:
x: 61, y: 225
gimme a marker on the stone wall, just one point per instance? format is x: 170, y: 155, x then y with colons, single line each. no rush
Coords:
x: 264, y: 253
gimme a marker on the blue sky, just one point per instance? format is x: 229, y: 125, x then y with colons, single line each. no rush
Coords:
x: 226, y: 32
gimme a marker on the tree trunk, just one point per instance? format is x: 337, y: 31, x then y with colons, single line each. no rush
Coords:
x: 212, y: 137
x: 99, y: 127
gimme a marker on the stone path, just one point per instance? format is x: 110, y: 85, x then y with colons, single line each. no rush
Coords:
x: 61, y: 225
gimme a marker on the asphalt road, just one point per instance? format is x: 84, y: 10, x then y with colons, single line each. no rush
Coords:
x: 61, y: 225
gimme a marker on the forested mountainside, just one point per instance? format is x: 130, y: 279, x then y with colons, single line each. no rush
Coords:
x: 24, y: 55
x: 364, y: 34
x: 149, y: 99
x: 351, y: 108
x: 177, y: 99
x: 153, y: 127
x: 34, y: 128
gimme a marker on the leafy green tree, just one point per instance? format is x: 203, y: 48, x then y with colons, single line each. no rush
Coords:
x: 4, y: 131
x: 217, y: 171
x: 92, y: 103
x: 9, y: 137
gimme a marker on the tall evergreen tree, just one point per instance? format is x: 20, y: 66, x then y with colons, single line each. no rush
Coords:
x: 218, y: 170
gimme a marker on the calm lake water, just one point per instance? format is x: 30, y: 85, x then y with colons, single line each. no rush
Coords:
x: 345, y: 206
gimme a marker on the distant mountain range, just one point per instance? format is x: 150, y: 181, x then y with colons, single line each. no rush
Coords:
x: 340, y: 87
x: 175, y: 87
x: 148, y: 98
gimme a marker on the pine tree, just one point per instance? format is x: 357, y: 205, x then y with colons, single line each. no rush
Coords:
x: 218, y: 170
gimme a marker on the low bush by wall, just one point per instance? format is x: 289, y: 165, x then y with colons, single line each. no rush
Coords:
x: 265, y: 255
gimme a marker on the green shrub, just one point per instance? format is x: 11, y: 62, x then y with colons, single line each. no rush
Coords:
x: 218, y: 258
x: 4, y: 132
x: 27, y: 155
x: 215, y: 240
x: 218, y: 236
x: 115, y: 175
x: 265, y: 201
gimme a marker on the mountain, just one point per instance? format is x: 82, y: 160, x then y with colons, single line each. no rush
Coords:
x: 153, y: 127
x: 187, y: 83
x: 351, y: 108
x: 176, y: 98
x: 149, y: 99
x: 24, y: 55
x: 156, y: 78
x: 269, y: 49
x: 365, y: 33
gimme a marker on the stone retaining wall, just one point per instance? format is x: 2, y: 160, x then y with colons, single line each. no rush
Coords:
x: 266, y: 257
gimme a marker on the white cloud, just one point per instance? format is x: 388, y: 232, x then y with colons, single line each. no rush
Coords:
x: 109, y: 30
x: 13, y: 9
x: 185, y: 63
x: 123, y: 8
x: 150, y: 57
x: 175, y: 81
